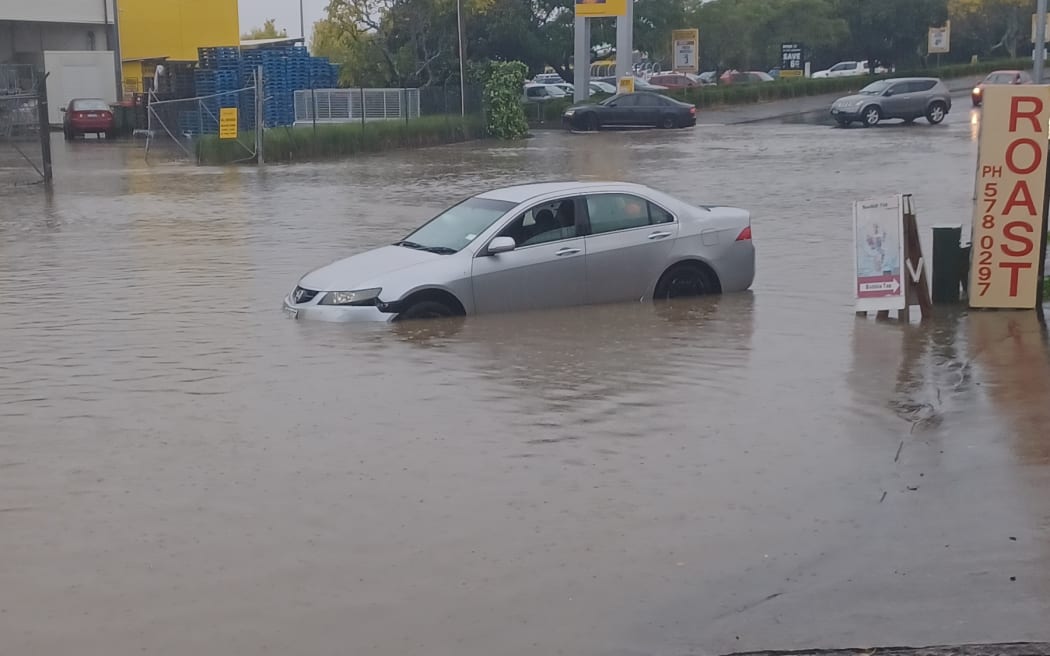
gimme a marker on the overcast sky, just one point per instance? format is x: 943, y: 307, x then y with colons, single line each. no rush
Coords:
x: 254, y: 12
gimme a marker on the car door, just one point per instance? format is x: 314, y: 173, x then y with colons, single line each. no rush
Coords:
x: 628, y: 246
x: 648, y: 110
x: 896, y: 100
x: 919, y: 96
x: 621, y: 111
x: 842, y: 69
x: 547, y: 269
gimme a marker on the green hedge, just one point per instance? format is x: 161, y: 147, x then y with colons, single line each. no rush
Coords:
x: 545, y: 114
x: 331, y: 141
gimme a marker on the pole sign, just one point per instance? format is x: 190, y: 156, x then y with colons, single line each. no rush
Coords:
x: 625, y: 84
x: 227, y: 122
x: 878, y: 247
x: 685, y: 49
x: 1035, y: 22
x: 1009, y: 221
x: 792, y: 60
x: 601, y: 8
x: 939, y: 39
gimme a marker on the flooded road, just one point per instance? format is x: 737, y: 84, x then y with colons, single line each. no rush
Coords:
x: 184, y: 471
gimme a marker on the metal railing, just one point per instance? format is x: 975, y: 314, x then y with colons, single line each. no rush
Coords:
x: 348, y: 105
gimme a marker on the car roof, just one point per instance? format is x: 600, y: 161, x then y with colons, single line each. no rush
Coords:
x: 912, y: 79
x: 524, y: 192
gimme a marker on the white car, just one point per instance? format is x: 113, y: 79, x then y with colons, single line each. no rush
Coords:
x: 602, y: 87
x: 848, y: 69
x: 537, y: 246
x: 542, y: 92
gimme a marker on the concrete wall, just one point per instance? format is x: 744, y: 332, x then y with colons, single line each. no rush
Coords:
x: 77, y: 75
x: 25, y: 42
x: 57, y: 11
x: 176, y: 28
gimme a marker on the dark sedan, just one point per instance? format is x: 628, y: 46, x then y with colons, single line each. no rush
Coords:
x: 642, y: 109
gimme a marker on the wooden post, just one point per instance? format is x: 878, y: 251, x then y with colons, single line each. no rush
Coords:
x: 917, y: 286
x: 44, y: 125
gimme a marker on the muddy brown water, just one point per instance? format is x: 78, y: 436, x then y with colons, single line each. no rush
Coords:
x: 185, y: 471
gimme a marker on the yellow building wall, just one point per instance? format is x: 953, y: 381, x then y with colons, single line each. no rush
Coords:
x: 176, y: 28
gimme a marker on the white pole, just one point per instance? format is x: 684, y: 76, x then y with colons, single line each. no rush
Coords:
x: 462, y: 64
x: 1040, y: 40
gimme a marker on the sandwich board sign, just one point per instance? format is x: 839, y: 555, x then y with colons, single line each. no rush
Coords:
x: 878, y: 254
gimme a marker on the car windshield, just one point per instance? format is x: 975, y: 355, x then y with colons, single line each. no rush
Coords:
x: 451, y: 231
x: 1001, y: 78
x: 90, y: 105
x: 875, y: 88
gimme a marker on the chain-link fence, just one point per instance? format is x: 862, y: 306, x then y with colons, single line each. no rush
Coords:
x: 22, y: 143
x: 184, y: 129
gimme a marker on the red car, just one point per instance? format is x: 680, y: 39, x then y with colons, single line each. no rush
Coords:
x: 745, y: 77
x: 674, y: 81
x: 998, y: 77
x: 84, y: 115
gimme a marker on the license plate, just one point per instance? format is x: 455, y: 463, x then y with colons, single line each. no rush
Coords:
x: 92, y: 115
x: 291, y: 312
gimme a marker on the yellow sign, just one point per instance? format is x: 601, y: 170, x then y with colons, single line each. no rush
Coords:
x: 601, y: 8
x: 227, y: 122
x: 787, y: 74
x: 625, y: 84
x: 1009, y: 223
x: 685, y: 50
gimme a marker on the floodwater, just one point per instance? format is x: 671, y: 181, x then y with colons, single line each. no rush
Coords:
x: 185, y: 471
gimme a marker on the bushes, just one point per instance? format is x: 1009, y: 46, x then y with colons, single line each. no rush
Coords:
x: 504, y: 117
x: 346, y: 139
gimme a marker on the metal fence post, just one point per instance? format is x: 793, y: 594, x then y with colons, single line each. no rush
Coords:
x: 362, y: 108
x: 45, y: 127
x: 260, y: 107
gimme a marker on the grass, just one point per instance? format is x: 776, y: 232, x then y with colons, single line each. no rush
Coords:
x: 333, y: 141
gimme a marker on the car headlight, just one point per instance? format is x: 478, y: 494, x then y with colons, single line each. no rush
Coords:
x: 977, y: 91
x: 569, y: 112
x: 356, y: 297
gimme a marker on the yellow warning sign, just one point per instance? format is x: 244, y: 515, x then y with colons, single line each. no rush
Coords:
x: 227, y: 122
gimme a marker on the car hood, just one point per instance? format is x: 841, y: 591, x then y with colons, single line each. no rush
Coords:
x: 855, y: 98
x: 352, y: 272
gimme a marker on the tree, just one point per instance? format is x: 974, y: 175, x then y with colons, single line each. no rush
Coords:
x: 987, y: 27
x: 267, y: 31
x: 891, y: 31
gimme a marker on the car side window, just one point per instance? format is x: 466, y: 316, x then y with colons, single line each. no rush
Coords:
x: 920, y: 85
x: 629, y: 100
x: 550, y: 221
x: 613, y: 212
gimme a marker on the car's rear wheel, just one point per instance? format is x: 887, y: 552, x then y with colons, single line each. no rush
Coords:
x: 871, y: 116
x: 936, y: 113
x: 590, y: 123
x: 686, y: 280
x: 669, y: 122
x: 427, y: 310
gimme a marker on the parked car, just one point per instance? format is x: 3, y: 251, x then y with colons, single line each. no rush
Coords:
x: 674, y: 81
x: 538, y: 246
x: 849, y: 69
x: 708, y: 77
x: 87, y: 115
x: 744, y: 77
x: 906, y: 98
x: 645, y: 85
x: 548, y: 78
x: 998, y: 77
x: 639, y: 109
x: 598, y: 86
x: 542, y: 92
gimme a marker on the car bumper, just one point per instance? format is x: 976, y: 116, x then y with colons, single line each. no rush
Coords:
x: 846, y: 114
x: 92, y: 126
x: 335, y: 313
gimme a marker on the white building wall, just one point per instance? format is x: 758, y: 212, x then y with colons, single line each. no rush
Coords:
x: 57, y: 11
x: 77, y: 75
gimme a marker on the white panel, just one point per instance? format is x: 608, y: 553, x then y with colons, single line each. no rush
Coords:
x: 57, y: 11
x: 86, y: 74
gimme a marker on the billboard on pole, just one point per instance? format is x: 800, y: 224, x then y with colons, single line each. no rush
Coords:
x: 939, y: 39
x: 685, y: 50
x: 601, y: 8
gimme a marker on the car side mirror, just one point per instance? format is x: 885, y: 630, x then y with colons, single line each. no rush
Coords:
x: 888, y: 93
x: 502, y: 245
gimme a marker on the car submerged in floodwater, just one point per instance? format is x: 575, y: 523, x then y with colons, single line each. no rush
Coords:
x: 537, y: 246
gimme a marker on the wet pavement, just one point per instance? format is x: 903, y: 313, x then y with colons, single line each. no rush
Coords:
x: 184, y: 471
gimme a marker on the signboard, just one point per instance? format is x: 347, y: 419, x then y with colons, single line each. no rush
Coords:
x: 1009, y: 221
x: 792, y: 60
x: 601, y: 8
x: 227, y: 122
x: 1035, y: 21
x: 878, y: 247
x: 625, y: 84
x: 939, y: 39
x: 685, y: 49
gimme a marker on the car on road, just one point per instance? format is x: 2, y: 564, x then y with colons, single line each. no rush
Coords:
x: 87, y: 116
x: 639, y: 109
x: 536, y: 246
x: 905, y: 98
x: 998, y: 77
x: 849, y: 69
x: 542, y: 93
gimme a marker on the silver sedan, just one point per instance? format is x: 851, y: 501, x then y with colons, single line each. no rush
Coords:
x: 538, y: 246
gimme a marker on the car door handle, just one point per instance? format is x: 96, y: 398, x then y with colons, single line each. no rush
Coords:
x: 659, y: 235
x: 567, y: 251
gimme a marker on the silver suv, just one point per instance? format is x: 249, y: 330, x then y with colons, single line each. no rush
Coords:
x: 907, y: 98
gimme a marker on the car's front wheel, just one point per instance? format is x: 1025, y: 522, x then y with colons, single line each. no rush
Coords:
x: 686, y: 280
x: 871, y: 115
x: 936, y: 113
x: 427, y: 310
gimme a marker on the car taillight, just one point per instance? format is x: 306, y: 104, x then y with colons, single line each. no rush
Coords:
x: 692, y: 110
x: 745, y: 234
